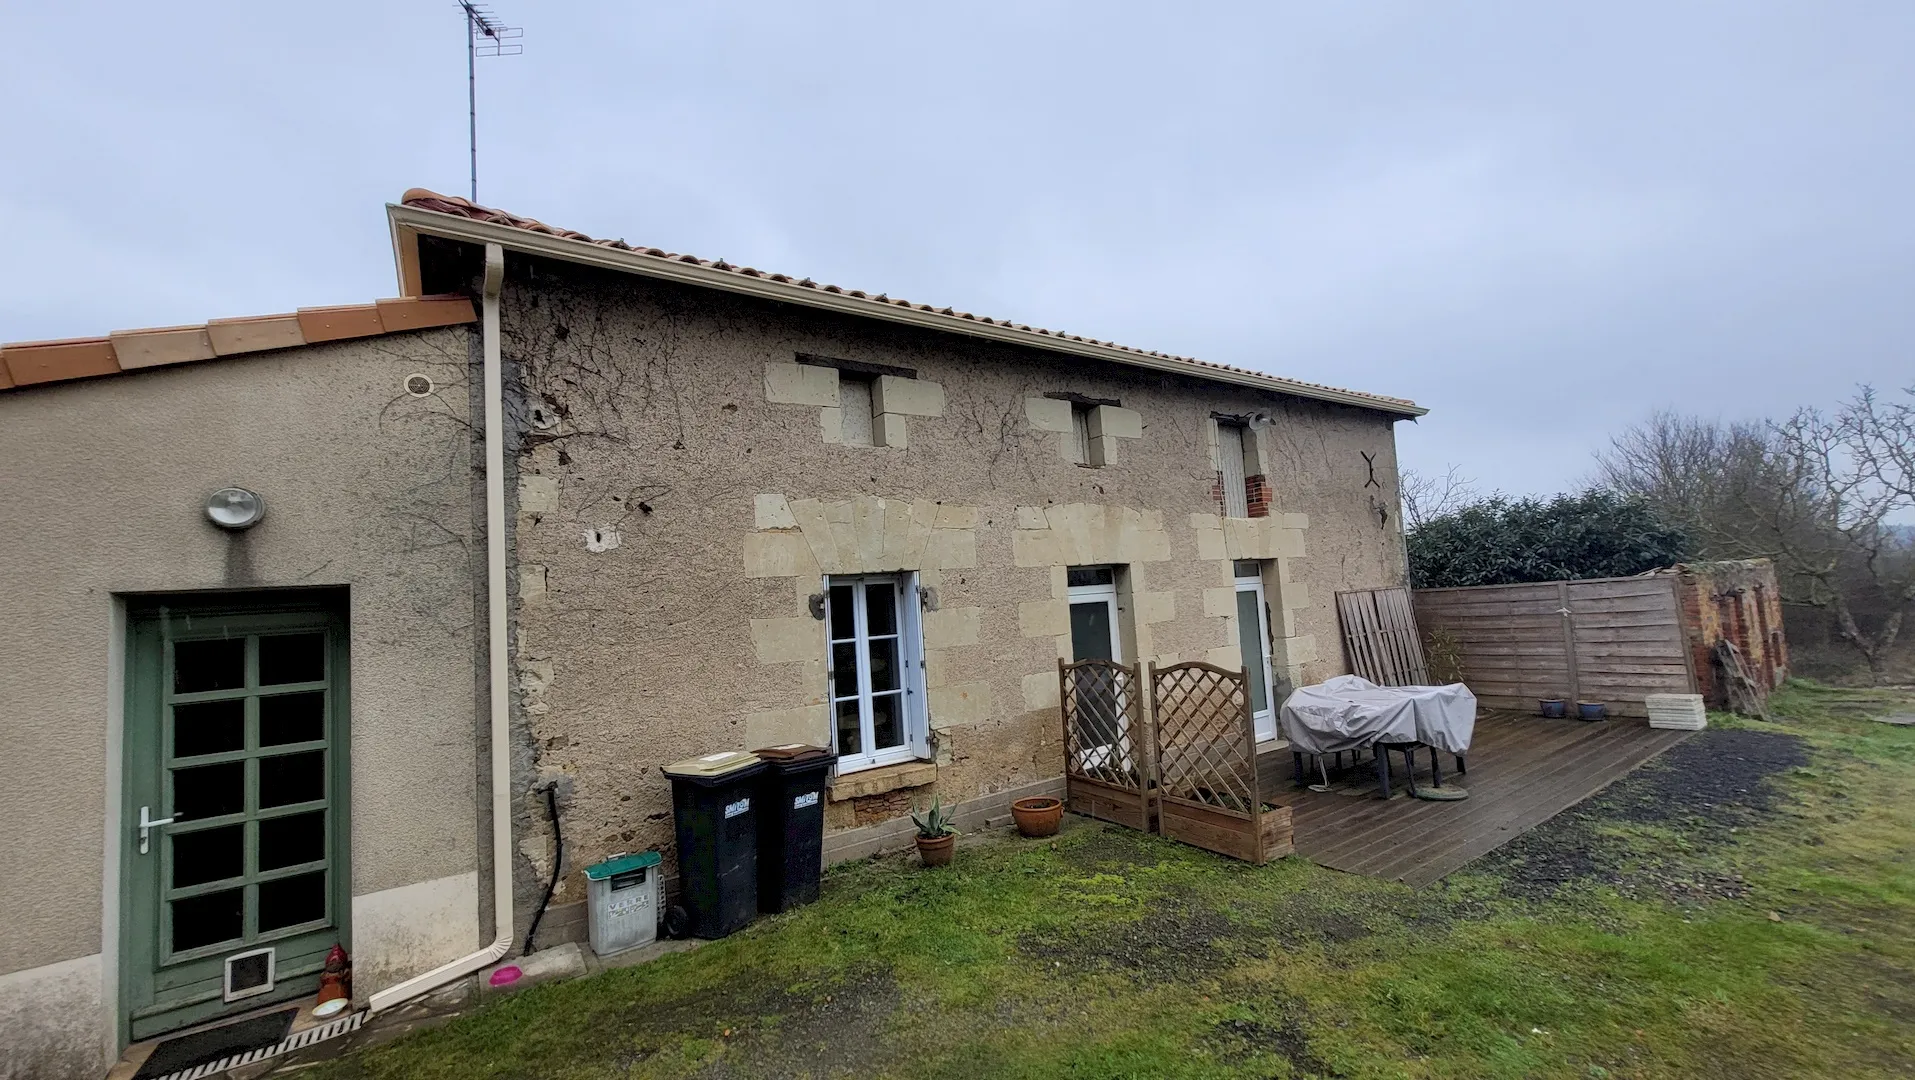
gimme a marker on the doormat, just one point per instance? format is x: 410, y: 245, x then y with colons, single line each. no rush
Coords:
x: 205, y: 1053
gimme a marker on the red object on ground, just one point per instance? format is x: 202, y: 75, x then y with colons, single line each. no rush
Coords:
x: 508, y: 974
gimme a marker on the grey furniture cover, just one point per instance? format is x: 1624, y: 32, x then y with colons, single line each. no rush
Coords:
x: 1351, y: 713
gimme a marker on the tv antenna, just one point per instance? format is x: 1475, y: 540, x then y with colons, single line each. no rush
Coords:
x: 485, y: 36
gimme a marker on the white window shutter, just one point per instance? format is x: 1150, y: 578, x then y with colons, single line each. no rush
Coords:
x: 917, y: 716
x: 1230, y: 458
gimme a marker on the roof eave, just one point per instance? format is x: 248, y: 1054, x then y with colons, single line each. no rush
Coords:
x: 409, y: 222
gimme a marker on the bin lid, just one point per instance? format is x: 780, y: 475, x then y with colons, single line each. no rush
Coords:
x: 711, y: 765
x: 619, y: 864
x: 794, y: 753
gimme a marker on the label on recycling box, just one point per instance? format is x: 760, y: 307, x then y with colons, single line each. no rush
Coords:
x: 732, y: 810
x: 809, y: 798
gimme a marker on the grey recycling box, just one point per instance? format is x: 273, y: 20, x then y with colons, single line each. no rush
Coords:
x: 621, y: 896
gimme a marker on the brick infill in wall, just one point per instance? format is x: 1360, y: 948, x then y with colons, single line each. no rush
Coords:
x: 1257, y: 495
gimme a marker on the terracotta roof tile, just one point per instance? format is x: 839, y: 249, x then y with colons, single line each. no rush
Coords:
x: 424, y: 199
x: 156, y: 348
x: 29, y: 363
x: 34, y: 362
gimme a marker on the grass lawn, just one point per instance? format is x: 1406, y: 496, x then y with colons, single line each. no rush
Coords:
x: 1744, y: 907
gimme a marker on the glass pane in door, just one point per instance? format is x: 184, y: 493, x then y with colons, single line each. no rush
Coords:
x: 204, y: 920
x: 850, y: 729
x: 887, y: 721
x: 1090, y: 631
x: 1250, y: 641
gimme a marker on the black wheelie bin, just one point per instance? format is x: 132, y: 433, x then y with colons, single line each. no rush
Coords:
x: 791, y: 824
x: 715, y: 804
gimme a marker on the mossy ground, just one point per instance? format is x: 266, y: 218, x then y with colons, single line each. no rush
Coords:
x: 1764, y: 931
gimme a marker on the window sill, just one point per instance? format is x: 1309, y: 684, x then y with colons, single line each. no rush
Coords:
x: 884, y: 778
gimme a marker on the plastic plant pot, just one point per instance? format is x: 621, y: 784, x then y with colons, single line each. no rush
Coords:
x: 1553, y: 708
x: 1592, y: 710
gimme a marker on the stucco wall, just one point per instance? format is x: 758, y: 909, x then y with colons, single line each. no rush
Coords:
x: 365, y: 487
x: 679, y: 498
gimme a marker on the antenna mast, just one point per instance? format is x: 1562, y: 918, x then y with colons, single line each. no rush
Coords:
x: 485, y: 36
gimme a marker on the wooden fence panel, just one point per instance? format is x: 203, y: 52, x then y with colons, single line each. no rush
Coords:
x: 1614, y: 640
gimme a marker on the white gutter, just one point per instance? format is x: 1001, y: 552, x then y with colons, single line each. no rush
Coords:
x: 404, y: 219
x: 496, y: 656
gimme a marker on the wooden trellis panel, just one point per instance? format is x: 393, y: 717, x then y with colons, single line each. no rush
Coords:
x: 1379, y: 632
x: 1208, y: 792
x: 1106, y: 753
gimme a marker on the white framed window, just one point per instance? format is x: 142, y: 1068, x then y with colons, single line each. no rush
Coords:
x: 1253, y: 641
x: 876, y: 670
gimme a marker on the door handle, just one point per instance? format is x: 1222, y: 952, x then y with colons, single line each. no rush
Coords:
x: 147, y: 824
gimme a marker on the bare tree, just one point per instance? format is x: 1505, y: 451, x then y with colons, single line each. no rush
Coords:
x: 1817, y: 493
x: 1426, y: 497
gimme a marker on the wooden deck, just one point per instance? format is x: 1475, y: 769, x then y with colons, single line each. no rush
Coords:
x: 1524, y: 770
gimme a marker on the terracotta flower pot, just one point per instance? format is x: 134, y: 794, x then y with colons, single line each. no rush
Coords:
x: 1038, y: 815
x: 936, y: 851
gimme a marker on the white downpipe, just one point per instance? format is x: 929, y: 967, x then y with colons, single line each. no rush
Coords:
x: 496, y: 655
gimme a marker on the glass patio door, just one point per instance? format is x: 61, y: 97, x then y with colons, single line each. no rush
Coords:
x: 234, y: 828
x: 1253, y: 640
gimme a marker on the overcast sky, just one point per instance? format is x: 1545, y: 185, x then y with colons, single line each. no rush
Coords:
x: 1539, y: 220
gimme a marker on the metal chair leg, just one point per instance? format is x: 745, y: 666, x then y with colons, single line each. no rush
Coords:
x: 1296, y: 758
x: 1436, y: 768
x: 1462, y: 769
x: 1383, y: 770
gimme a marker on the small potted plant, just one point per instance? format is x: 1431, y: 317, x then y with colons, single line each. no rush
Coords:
x: 1038, y: 815
x: 936, y: 834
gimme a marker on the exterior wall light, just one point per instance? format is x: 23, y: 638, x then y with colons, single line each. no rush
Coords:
x: 235, y: 508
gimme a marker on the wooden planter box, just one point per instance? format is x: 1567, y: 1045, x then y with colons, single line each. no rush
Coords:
x: 1254, y: 838
x: 1205, y: 751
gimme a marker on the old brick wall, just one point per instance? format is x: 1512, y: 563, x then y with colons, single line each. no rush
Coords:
x: 1740, y: 601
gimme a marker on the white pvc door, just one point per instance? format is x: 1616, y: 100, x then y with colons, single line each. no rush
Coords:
x: 1253, y: 639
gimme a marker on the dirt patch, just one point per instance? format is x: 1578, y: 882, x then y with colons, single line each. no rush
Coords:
x: 826, y: 1034
x: 1707, y: 787
x: 1099, y: 847
x: 1280, y: 1033
x: 824, y: 1031
x: 1177, y: 939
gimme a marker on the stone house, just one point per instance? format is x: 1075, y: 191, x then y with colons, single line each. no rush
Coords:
x: 566, y: 511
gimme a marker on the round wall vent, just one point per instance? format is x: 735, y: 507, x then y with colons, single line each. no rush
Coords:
x: 419, y: 386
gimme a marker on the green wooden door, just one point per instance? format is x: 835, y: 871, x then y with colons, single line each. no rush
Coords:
x: 236, y: 748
